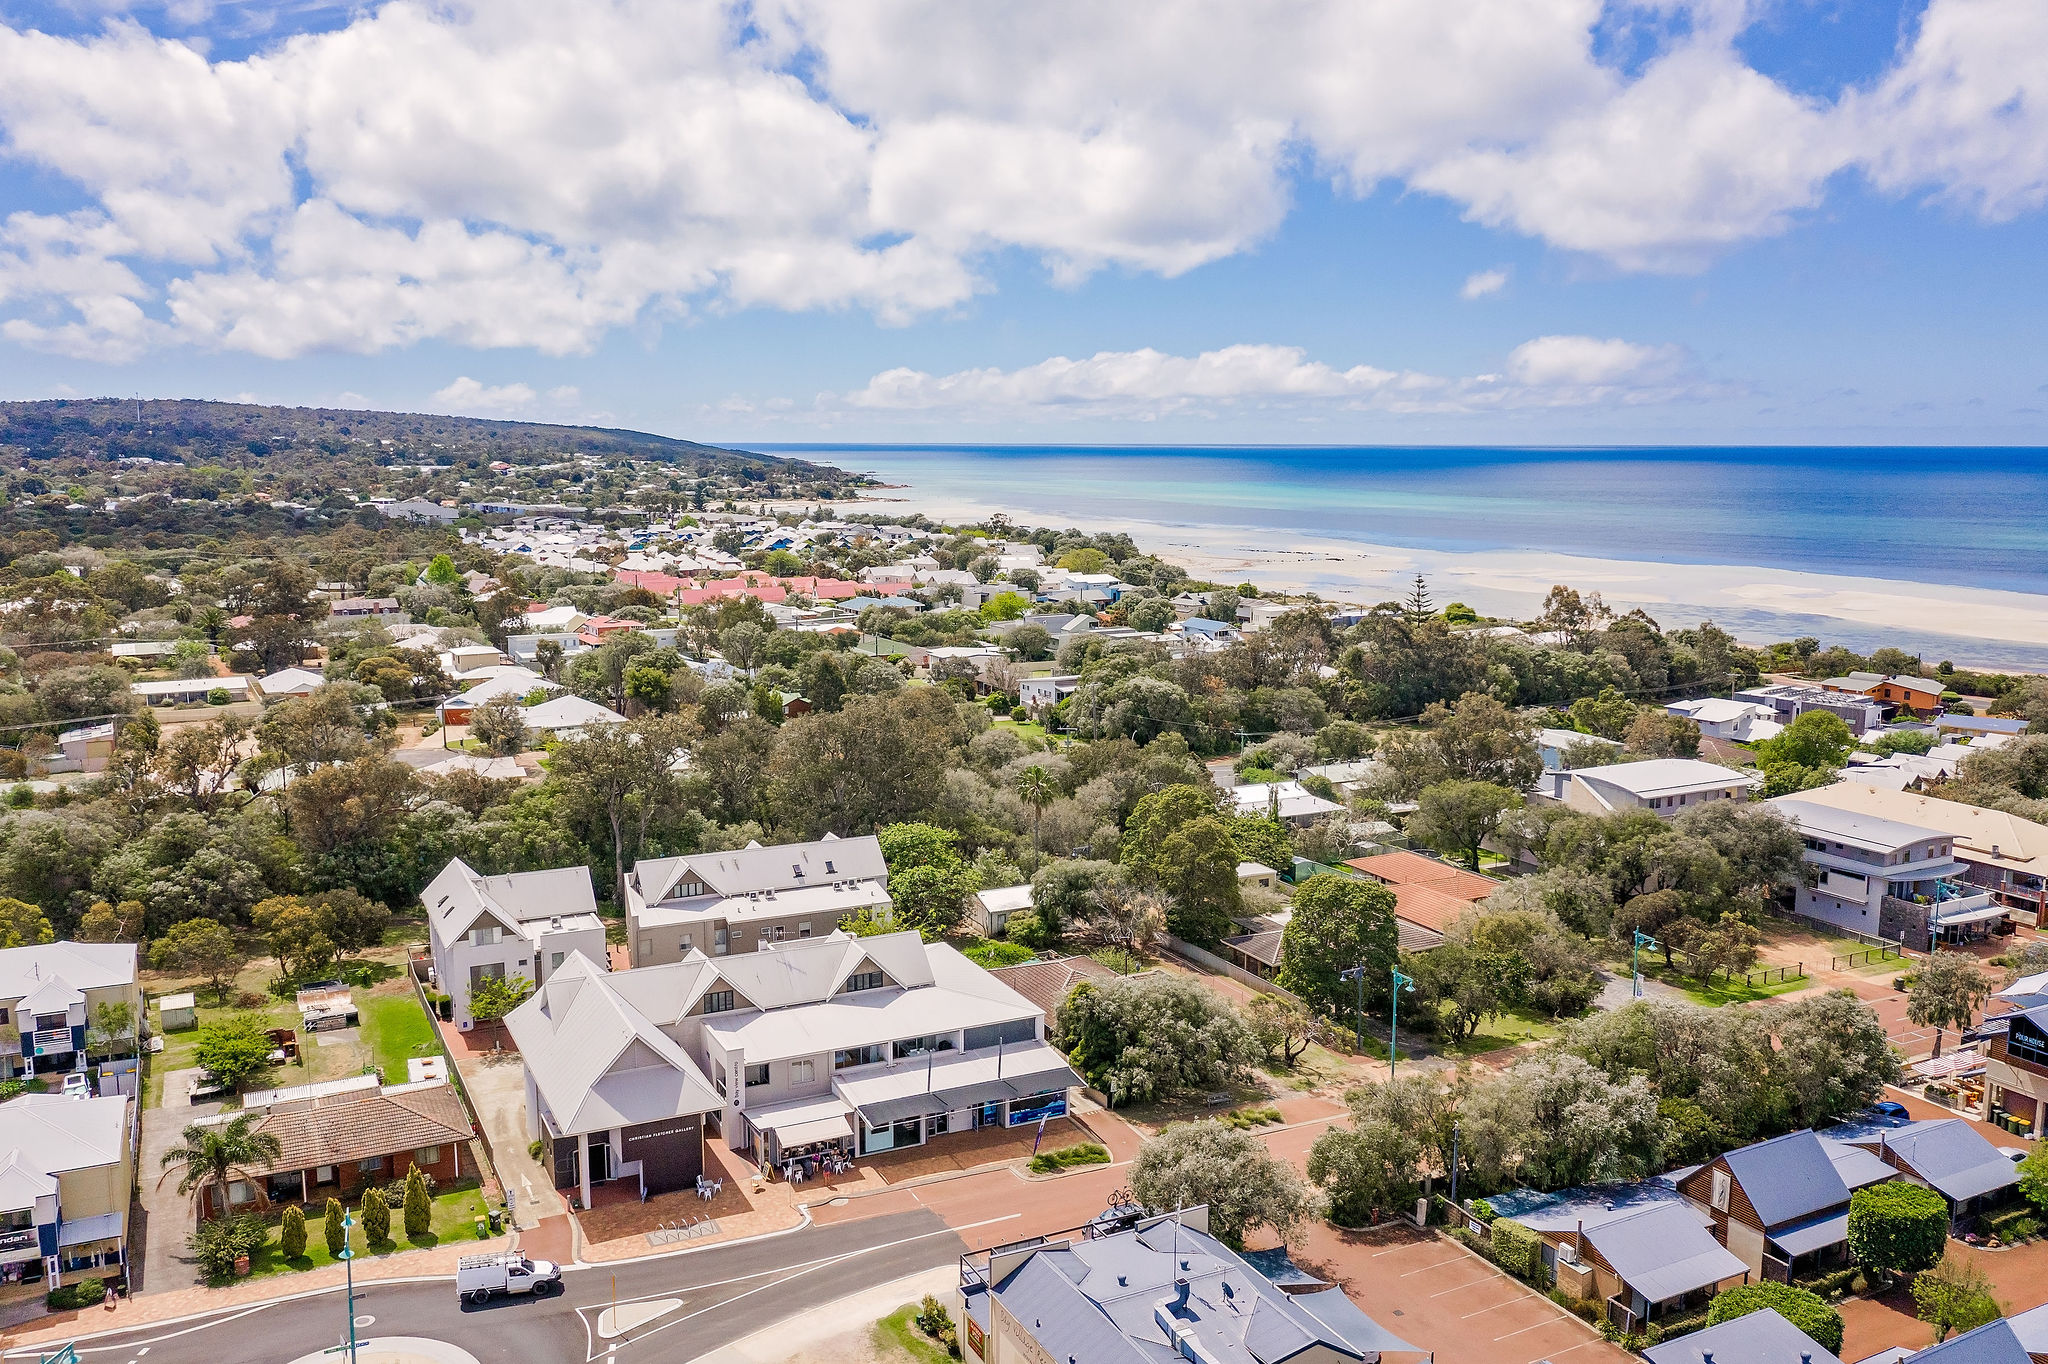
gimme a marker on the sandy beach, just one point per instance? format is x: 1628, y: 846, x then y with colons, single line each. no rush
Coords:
x: 1970, y: 626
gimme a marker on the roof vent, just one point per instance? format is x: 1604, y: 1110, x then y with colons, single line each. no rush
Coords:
x: 1123, y: 1281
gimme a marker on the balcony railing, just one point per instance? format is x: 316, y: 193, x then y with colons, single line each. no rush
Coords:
x: 52, y: 1041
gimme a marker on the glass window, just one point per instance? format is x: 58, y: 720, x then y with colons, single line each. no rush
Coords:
x: 757, y: 1075
x: 427, y: 1155
x: 371, y: 1163
x: 864, y: 980
x: 856, y: 1056
x: 718, y: 1001
x: 802, y: 1072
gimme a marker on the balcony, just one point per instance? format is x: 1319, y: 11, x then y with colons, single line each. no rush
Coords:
x: 1952, y: 900
x: 51, y: 1041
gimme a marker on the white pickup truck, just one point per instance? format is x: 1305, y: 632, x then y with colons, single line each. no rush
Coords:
x: 477, y: 1277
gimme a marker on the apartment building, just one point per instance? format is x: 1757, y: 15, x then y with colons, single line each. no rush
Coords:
x: 738, y: 901
x: 67, y: 1178
x: 50, y: 997
x: 526, y: 924
x: 1885, y: 877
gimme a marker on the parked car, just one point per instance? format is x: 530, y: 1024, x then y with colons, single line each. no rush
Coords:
x: 76, y: 1086
x: 1886, y: 1108
x: 477, y: 1277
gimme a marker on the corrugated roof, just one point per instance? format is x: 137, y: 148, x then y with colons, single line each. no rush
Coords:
x: 1760, y: 1337
x: 1788, y: 1177
x: 1953, y: 1156
x: 84, y: 965
x: 51, y: 1133
x: 1996, y: 1343
x: 1663, y: 1252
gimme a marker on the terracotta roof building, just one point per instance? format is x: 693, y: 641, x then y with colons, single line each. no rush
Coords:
x: 1047, y: 983
x: 1427, y: 893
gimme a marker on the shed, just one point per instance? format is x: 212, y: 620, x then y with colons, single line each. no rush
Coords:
x: 177, y: 1012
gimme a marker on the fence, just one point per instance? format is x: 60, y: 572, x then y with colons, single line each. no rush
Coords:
x: 1762, y: 975
x: 1828, y: 930
x: 1889, y: 952
x: 1216, y: 965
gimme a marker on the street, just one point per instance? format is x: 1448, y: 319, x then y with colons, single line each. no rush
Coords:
x: 726, y: 1292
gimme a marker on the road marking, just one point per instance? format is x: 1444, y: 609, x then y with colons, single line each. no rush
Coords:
x: 1553, y: 1354
x: 1438, y: 1265
x: 1462, y: 1287
x: 158, y: 1340
x: 1526, y: 1329
x: 1495, y: 1308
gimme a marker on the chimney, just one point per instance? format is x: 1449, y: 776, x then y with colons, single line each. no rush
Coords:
x: 1180, y: 1292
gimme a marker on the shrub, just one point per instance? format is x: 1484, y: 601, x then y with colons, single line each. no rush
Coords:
x: 218, y: 1243
x: 1897, y: 1227
x: 1246, y: 1118
x: 376, y: 1218
x: 1082, y: 1153
x: 1483, y: 1210
x: 419, y: 1207
x: 337, y: 1234
x: 1585, y: 1308
x: 538, y: 1149
x: 1955, y: 1296
x: 1019, y: 714
x: 932, y: 1316
x: 1802, y: 1308
x: 1517, y: 1249
x: 291, y: 1234
x: 218, y: 696
x: 84, y: 1293
x: 2015, y: 1224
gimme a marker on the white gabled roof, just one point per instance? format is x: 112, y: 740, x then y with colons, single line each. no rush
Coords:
x: 458, y: 896
x: 597, y: 1061
x: 1667, y: 776
x: 292, y: 679
x: 81, y: 965
x: 47, y: 1134
x: 570, y: 712
x: 782, y: 866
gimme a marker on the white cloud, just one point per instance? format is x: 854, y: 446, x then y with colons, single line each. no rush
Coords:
x: 539, y: 173
x: 1142, y: 385
x: 468, y: 397
x: 1483, y: 282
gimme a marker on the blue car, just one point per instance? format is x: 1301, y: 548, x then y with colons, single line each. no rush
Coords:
x: 1885, y: 1108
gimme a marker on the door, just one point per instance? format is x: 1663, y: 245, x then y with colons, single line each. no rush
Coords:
x: 991, y: 1115
x: 600, y: 1161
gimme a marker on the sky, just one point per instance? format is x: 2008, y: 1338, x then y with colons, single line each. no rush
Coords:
x: 1521, y: 222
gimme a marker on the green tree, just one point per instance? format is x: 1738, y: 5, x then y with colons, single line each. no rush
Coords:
x: 419, y: 1205
x: 234, y: 1050
x: 621, y: 776
x: 1948, y: 989
x: 1338, y: 922
x: 1897, y: 1228
x: 291, y: 1234
x: 1084, y: 561
x: 1156, y: 818
x: 1037, y: 789
x: 2034, y: 1176
x: 492, y: 997
x: 1375, y: 1164
x: 210, y: 1156
x: 1553, y: 1121
x: 1833, y: 1057
x: 1455, y: 817
x: 499, y: 726
x: 1817, y: 739
x: 1608, y: 714
x: 1005, y: 606
x: 294, y: 931
x: 442, y: 571
x: 1284, y: 1027
x: 376, y: 1218
x: 23, y: 924
x: 1244, y: 1185
x: 103, y: 922
x: 1148, y: 1036
x: 1459, y: 987
x: 1660, y: 734
x: 1801, y: 1307
x: 1196, y: 871
x: 337, y: 1231
x: 1955, y: 1296
x: 1262, y: 840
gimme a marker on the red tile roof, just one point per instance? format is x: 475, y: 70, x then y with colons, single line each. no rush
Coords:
x: 1408, y: 869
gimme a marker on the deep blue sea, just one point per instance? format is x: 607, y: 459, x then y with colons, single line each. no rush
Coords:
x: 1970, y: 517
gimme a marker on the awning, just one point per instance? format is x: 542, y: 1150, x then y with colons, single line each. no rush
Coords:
x: 1814, y: 1234
x: 1042, y: 1080
x: 103, y: 1226
x: 1973, y: 916
x: 818, y: 1129
x: 1956, y: 1063
x: 883, y: 1112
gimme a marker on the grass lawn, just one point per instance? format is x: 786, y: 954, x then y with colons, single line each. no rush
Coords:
x: 1027, y: 730
x: 396, y: 1029
x: 1505, y: 1030
x: 455, y: 1214
x: 1721, y: 992
x: 992, y: 952
x: 898, y: 1341
x: 1316, y: 1067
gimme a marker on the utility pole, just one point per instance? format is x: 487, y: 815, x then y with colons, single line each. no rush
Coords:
x: 1357, y: 973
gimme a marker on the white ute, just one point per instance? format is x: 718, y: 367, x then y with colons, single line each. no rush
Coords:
x: 477, y: 1277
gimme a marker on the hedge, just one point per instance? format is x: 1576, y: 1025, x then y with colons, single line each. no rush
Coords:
x: 1803, y: 1309
x: 1517, y: 1249
x: 1898, y: 1227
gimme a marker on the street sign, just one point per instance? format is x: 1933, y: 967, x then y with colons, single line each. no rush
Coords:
x: 67, y: 1355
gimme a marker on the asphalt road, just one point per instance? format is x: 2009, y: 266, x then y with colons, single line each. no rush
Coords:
x: 726, y: 1293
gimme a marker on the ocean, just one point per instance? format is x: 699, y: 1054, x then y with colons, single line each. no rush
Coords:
x: 1964, y: 517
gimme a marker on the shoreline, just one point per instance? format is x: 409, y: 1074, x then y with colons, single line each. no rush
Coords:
x: 1991, y: 628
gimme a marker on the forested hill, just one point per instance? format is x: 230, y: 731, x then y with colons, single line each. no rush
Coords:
x: 240, y: 435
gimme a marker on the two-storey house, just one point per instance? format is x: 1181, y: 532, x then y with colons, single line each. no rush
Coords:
x: 1666, y: 787
x: 521, y: 926
x: 1775, y: 1203
x: 51, y: 996
x: 724, y: 903
x: 1899, y: 881
x: 67, y: 1178
x: 1919, y: 695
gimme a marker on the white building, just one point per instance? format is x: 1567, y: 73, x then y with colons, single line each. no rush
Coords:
x: 747, y: 898
x: 49, y: 994
x: 1667, y: 787
x: 1720, y: 718
x: 1038, y: 695
x: 1553, y: 744
x: 1287, y: 801
x: 290, y: 682
x: 1886, y: 878
x: 525, y: 924
x: 989, y: 911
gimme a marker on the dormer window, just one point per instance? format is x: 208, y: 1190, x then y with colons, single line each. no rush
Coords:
x: 718, y: 1002
x: 864, y: 980
x: 828, y: 866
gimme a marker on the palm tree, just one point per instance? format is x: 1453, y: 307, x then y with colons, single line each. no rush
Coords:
x: 215, y: 1154
x: 213, y: 620
x: 1035, y: 787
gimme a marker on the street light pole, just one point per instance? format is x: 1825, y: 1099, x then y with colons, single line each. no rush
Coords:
x: 1401, y: 983
x: 1454, y: 1164
x: 1635, y: 959
x: 1357, y: 973
x: 348, y: 1261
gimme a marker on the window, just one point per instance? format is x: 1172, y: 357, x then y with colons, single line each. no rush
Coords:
x: 757, y: 1075
x: 856, y: 1056
x: 718, y: 1002
x: 3, y: 1016
x: 647, y: 947
x: 370, y: 1163
x: 780, y: 932
x: 689, y: 941
x: 718, y: 1079
x: 718, y: 943
x: 427, y: 1155
x: 326, y: 1174
x: 241, y: 1191
x: 864, y: 980
x: 828, y: 866
x: 918, y: 1046
x: 802, y: 1072
x: 1719, y: 1196
x: 555, y: 961
x: 483, y: 937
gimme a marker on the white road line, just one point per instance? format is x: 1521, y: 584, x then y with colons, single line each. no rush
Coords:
x: 1553, y: 1354
x: 1438, y: 1265
x: 1495, y: 1308
x: 1552, y: 1321
x: 1462, y: 1287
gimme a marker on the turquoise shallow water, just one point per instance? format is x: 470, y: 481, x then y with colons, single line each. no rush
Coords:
x: 1970, y: 517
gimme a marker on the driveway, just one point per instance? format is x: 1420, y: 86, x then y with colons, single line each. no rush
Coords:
x: 496, y: 1081
x: 166, y: 1220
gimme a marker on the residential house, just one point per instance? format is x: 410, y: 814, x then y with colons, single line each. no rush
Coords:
x: 1666, y: 787
x: 567, y: 717
x: 1790, y: 700
x: 1947, y: 1155
x: 525, y: 923
x: 1038, y: 695
x: 1553, y: 744
x: 1980, y: 727
x: 1163, y: 1290
x: 418, y: 509
x: 989, y: 911
x: 2031, y: 1329
x: 290, y: 682
x: 544, y: 620
x: 1048, y: 983
x: 1920, y: 695
x: 86, y: 749
x: 187, y: 691
x: 1881, y: 877
x: 741, y: 899
x: 1776, y: 1203
x: 1346, y: 776
x: 1287, y: 801
x: 2016, y: 1068
x: 2014, y: 1340
x: 1257, y: 874
x: 51, y: 995
x: 353, y: 608
x: 514, y: 681
x: 1428, y: 893
x: 67, y: 1180
x: 610, y: 1095
x: 1724, y: 718
x: 1761, y: 1337
x: 2001, y: 852
x: 1213, y: 634
x: 338, y: 1137
x: 1640, y: 1250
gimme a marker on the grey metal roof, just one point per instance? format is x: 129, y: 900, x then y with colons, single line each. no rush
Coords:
x: 1853, y: 826
x: 882, y: 1112
x: 1787, y: 1178
x: 1996, y: 1343
x: 1761, y: 1337
x: 2031, y: 1326
x: 1590, y: 1205
x: 1952, y: 1156
x: 1043, y: 1080
x: 1815, y: 1233
x: 1663, y: 1252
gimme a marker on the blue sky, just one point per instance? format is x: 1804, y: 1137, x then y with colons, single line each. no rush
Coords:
x: 1512, y: 221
